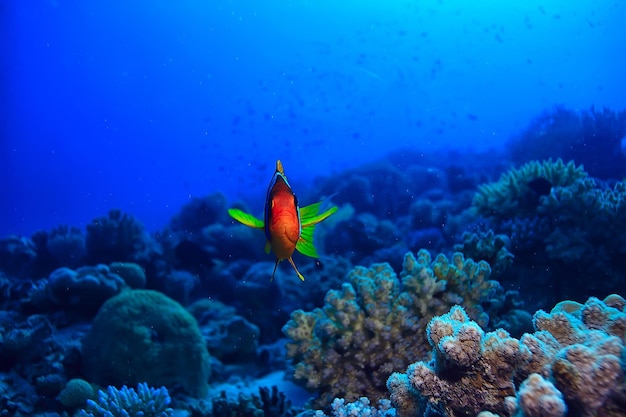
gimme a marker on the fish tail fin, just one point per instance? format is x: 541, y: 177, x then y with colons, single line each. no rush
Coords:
x: 245, y: 218
x: 294, y: 268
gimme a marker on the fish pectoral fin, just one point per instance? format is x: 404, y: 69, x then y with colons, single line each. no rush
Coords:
x: 310, y: 215
x: 309, y: 218
x: 268, y: 247
x: 294, y: 268
x: 305, y: 244
x: 245, y: 218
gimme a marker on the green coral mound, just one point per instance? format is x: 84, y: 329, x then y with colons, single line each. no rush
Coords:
x: 375, y: 324
x: 512, y: 195
x: 145, y: 336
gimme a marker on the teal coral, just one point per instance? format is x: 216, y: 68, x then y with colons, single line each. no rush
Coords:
x: 76, y: 393
x: 489, y: 247
x: 142, y: 335
x: 575, y: 230
x: 512, y: 196
x: 127, y: 402
x: 375, y: 324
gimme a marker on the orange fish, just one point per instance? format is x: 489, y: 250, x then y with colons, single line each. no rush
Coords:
x: 287, y: 227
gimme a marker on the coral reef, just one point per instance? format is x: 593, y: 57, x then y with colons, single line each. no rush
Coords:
x: 119, y: 237
x: 62, y: 246
x: 374, y: 325
x: 18, y: 256
x: 76, y: 393
x: 537, y: 397
x: 360, y: 407
x: 127, y: 402
x: 470, y: 370
x: 229, y: 337
x: 552, y: 233
x: 144, y: 336
x: 590, y: 137
x: 513, y: 195
x: 85, y: 289
x: 488, y: 247
x: 269, y: 403
x: 572, y: 362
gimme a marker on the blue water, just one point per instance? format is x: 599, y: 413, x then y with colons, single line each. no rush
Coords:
x: 143, y: 105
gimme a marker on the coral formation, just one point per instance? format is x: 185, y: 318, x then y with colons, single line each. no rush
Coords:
x: 488, y: 247
x: 76, y: 393
x: 144, y: 336
x: 360, y: 407
x: 552, y: 232
x: 513, y: 194
x: 127, y: 402
x: 590, y: 137
x: 118, y: 237
x: 572, y: 361
x: 85, y: 289
x: 269, y: 403
x: 374, y: 325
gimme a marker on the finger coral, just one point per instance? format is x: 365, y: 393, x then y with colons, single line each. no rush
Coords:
x: 571, y: 362
x: 375, y: 324
x: 127, y: 402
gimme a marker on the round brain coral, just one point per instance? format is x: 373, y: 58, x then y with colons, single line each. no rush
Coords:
x: 144, y: 336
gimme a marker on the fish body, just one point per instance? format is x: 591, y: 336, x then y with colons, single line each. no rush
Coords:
x: 287, y: 227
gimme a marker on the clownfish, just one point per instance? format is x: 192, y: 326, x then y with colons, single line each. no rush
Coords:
x: 287, y: 227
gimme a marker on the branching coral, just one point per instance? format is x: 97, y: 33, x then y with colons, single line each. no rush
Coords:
x: 126, y: 402
x: 470, y: 370
x: 375, y: 324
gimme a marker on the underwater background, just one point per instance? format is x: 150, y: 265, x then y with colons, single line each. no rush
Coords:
x: 470, y: 158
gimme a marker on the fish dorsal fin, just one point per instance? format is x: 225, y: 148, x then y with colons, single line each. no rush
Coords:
x: 245, y: 218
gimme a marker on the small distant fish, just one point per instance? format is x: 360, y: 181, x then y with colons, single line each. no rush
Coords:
x: 287, y: 227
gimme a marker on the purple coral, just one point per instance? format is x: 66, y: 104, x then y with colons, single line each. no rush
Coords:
x: 537, y: 397
x: 470, y: 370
x: 572, y: 362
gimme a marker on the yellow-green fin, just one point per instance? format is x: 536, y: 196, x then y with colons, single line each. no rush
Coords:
x: 305, y: 244
x: 245, y: 218
x: 309, y: 215
x: 268, y: 247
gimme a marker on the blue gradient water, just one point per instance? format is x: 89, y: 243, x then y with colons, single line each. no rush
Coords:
x: 143, y: 105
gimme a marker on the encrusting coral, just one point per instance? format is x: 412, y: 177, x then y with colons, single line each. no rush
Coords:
x: 572, y: 362
x: 375, y: 324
